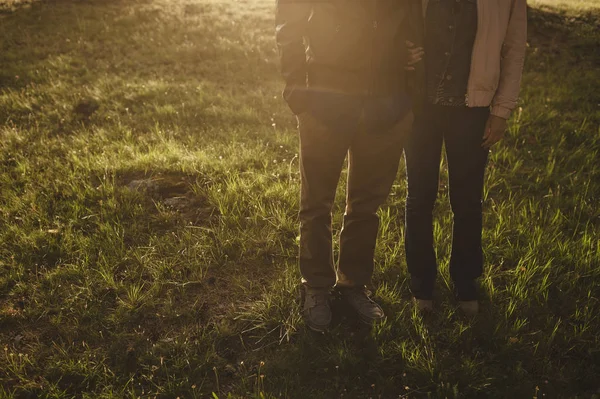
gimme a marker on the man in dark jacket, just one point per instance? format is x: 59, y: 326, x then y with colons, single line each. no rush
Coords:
x: 348, y: 76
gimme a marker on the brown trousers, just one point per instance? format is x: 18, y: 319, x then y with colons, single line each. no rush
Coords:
x: 373, y: 159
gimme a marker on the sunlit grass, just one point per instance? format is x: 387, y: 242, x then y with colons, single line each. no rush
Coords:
x: 148, y: 228
x: 570, y: 5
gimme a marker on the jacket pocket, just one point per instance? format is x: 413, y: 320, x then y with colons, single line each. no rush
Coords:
x: 296, y: 98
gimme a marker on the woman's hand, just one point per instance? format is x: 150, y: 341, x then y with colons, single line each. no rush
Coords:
x: 415, y: 55
x: 494, y: 131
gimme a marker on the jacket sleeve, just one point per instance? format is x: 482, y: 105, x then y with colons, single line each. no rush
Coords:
x: 513, y: 59
x: 291, y: 20
x: 415, y: 32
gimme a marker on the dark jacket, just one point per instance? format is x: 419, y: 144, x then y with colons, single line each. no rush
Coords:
x: 347, y: 46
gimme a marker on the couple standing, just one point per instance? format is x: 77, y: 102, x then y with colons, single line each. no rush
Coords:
x: 368, y: 79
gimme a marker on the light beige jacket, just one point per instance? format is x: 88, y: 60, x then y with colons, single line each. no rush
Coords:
x: 498, y: 55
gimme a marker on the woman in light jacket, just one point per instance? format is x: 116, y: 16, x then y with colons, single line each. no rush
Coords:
x: 474, y: 54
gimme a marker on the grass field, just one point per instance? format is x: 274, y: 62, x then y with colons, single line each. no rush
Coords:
x: 148, y: 227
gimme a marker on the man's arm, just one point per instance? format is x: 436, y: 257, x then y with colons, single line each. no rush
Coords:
x: 511, y: 64
x: 291, y: 21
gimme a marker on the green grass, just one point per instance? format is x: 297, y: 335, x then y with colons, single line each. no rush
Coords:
x: 148, y: 228
x: 568, y: 5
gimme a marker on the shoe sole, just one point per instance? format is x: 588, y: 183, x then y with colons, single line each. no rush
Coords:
x: 316, y: 327
x: 319, y: 329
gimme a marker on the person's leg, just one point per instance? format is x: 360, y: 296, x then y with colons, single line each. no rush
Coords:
x: 423, y: 155
x: 466, y: 167
x: 372, y: 167
x: 322, y: 154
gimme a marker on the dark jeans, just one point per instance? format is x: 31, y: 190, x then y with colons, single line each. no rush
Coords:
x: 461, y: 129
x: 373, y: 158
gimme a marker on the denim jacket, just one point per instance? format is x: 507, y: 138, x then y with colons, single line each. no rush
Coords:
x: 451, y: 26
